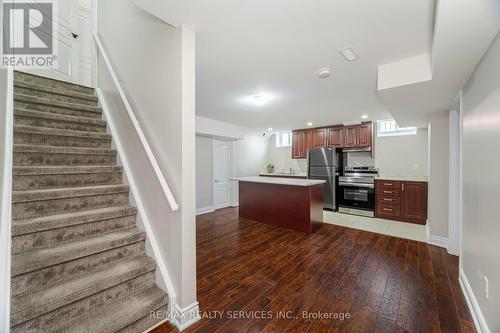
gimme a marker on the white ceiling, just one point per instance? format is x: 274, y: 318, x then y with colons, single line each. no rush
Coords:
x: 276, y: 47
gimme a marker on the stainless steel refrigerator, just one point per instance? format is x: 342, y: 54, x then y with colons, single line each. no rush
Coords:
x: 325, y: 164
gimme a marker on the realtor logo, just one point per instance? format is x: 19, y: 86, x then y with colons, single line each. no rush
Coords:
x: 27, y: 38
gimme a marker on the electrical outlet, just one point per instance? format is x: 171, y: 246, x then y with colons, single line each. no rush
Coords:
x: 486, y: 286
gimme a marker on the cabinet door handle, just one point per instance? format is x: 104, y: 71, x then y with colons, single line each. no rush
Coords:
x: 388, y: 209
x: 385, y: 199
x: 388, y: 192
x: 388, y: 184
x: 402, y: 187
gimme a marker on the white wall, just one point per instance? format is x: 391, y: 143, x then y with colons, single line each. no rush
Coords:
x: 438, y: 174
x: 155, y: 64
x: 210, y: 127
x: 481, y: 184
x: 282, y: 158
x: 251, y: 155
x: 397, y: 155
x: 204, y: 172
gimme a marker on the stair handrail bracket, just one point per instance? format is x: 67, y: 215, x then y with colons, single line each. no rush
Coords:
x: 149, y: 152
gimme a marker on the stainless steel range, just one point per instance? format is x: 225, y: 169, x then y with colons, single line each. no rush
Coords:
x: 356, y: 191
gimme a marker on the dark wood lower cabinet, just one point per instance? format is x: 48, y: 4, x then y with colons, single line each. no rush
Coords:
x: 404, y: 201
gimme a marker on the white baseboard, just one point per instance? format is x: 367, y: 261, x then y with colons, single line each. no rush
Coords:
x: 435, y: 240
x: 205, y: 210
x: 438, y: 241
x: 477, y: 314
x: 183, y: 318
x: 235, y: 204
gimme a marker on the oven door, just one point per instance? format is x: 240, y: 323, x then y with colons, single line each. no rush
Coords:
x: 360, y: 196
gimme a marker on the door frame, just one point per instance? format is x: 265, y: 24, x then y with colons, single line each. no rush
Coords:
x: 231, y: 172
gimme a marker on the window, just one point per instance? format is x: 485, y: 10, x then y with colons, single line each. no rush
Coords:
x: 390, y: 128
x: 283, y: 139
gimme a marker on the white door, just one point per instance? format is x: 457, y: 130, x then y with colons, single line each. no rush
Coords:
x: 222, y: 173
x: 64, y: 20
x: 85, y: 42
x: 73, y: 21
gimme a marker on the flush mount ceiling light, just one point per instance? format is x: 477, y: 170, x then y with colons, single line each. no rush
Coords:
x: 270, y: 129
x: 324, y: 73
x: 260, y: 100
x: 365, y: 116
x: 348, y: 53
x: 309, y: 124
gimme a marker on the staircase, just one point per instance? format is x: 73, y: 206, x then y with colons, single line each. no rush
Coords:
x: 78, y: 259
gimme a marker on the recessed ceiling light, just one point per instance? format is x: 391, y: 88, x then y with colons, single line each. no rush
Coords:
x: 309, y: 124
x: 270, y: 129
x: 365, y: 116
x: 323, y: 73
x: 348, y: 53
x: 260, y: 100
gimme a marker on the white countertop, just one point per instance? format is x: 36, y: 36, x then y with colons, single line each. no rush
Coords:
x: 408, y: 178
x: 280, y: 181
x: 277, y: 174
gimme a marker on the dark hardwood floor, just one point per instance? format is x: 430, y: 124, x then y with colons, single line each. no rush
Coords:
x: 335, y: 280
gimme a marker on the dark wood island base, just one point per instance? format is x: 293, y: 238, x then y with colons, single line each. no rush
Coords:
x: 293, y: 207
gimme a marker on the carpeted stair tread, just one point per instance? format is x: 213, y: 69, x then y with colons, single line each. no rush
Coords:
x: 58, y: 117
x: 63, y: 170
x: 20, y: 148
x: 60, y: 132
x: 27, y: 307
x: 66, y: 105
x: 31, y: 225
x: 38, y: 259
x: 78, y: 261
x: 58, y: 84
x: 55, y: 91
x: 51, y: 194
x: 119, y: 315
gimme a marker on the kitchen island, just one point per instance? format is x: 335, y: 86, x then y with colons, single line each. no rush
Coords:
x: 295, y: 204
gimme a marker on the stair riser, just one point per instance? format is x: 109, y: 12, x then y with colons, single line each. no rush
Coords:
x: 48, y: 123
x: 39, y: 279
x: 67, y: 205
x: 48, y: 322
x: 60, y: 141
x: 56, y: 109
x: 45, y: 239
x: 54, y: 97
x: 52, y: 83
x: 145, y: 323
x: 40, y: 159
x: 41, y: 182
x: 23, y: 310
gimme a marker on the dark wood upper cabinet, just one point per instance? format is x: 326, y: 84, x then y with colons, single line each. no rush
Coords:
x: 365, y: 134
x: 300, y: 143
x: 297, y: 143
x: 350, y: 136
x: 318, y: 138
x: 335, y: 137
x: 358, y: 135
